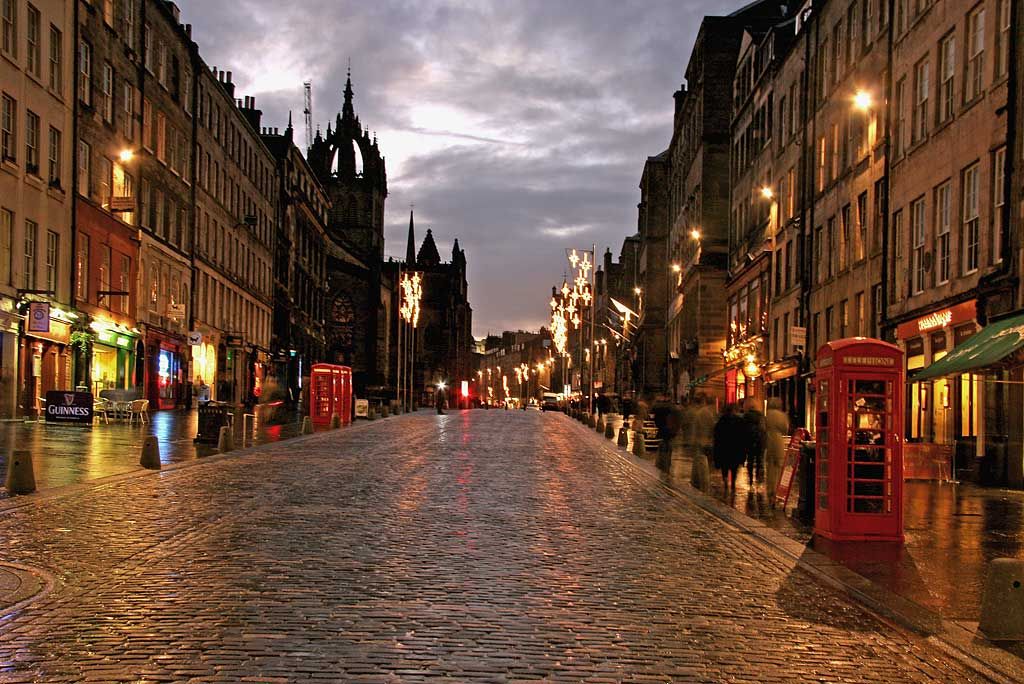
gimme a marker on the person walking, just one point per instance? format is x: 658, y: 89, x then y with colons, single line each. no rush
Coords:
x: 439, y: 399
x: 666, y: 419
x: 777, y: 423
x: 755, y: 437
x: 702, y: 431
x: 729, y: 445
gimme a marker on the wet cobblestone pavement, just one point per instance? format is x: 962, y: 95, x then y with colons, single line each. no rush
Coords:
x: 477, y: 546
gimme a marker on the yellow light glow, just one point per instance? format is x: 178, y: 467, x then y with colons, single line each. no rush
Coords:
x: 767, y: 192
x: 126, y: 155
x: 676, y: 268
x: 695, y: 234
x: 862, y: 100
x: 637, y: 290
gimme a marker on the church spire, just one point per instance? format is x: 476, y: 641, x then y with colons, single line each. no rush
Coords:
x: 410, y: 250
x: 347, y: 110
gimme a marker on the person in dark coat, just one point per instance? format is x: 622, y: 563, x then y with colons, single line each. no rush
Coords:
x: 756, y: 438
x: 730, y: 445
x: 666, y: 418
x: 439, y: 399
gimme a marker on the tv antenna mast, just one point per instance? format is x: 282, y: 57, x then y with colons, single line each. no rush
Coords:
x: 308, y: 112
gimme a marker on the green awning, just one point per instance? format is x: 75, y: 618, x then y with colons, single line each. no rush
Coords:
x: 989, y: 347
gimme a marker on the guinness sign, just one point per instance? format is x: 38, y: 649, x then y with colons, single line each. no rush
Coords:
x: 69, y: 407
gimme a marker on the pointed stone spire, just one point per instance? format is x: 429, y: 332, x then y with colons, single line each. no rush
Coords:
x: 410, y: 250
x: 428, y: 255
x: 347, y: 111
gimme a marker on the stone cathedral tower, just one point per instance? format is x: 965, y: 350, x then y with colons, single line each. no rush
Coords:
x: 348, y: 163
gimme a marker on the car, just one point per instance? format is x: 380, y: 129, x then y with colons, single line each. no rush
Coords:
x: 550, y: 402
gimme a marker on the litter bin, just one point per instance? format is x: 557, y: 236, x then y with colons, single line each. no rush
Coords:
x: 212, y: 417
x: 805, y: 504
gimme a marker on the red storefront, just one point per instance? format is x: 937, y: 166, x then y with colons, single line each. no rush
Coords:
x: 166, y: 364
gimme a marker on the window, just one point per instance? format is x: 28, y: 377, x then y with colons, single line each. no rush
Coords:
x: 148, y: 137
x: 8, y: 128
x: 943, y: 219
x: 917, y: 227
x: 865, y: 25
x: 844, y: 237
x: 971, y: 222
x: 82, y: 268
x: 31, y: 142
x: 105, y: 274
x: 834, y: 148
x: 6, y: 240
x: 973, y: 84
x: 124, y: 282
x: 108, y: 12
x: 998, y: 202
x: 861, y: 242
x: 790, y: 265
x: 107, y: 93
x: 53, y: 174
x: 10, y: 27
x: 128, y: 107
x: 161, y: 63
x: 123, y: 200
x: 920, y: 122
x: 900, y: 124
x: 186, y: 92
x: 145, y: 206
x: 106, y: 172
x: 790, y: 197
x: 32, y: 40
x: 84, y: 168
x: 844, y: 318
x: 947, y: 68
x: 833, y: 242
x: 147, y: 38
x: 128, y: 22
x: 56, y: 60
x: 29, y: 274
x: 85, y: 73
x: 1002, y: 38
x: 858, y: 314
x: 161, y: 136
x: 52, y: 256
x: 829, y: 320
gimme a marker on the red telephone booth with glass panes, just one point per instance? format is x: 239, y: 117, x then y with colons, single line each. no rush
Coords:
x: 859, y: 423
x: 330, y: 393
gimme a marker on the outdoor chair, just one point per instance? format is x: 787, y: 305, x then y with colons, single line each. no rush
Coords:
x: 138, y: 408
x: 101, y: 408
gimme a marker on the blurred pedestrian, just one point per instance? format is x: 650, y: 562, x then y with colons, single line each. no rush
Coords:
x: 729, y: 445
x: 698, y: 428
x: 755, y: 438
x: 777, y: 424
x: 667, y: 420
x: 439, y: 399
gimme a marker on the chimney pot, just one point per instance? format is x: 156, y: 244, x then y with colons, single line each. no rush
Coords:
x: 229, y: 77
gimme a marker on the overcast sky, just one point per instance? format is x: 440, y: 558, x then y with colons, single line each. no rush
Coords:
x: 519, y: 127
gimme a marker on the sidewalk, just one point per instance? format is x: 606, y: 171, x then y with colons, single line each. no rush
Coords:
x: 65, y: 455
x: 952, y: 532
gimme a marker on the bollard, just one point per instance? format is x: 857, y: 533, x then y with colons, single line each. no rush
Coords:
x: 591, y: 421
x: 21, y: 478
x: 307, y: 426
x: 371, y: 414
x: 384, y: 411
x: 609, y: 430
x: 639, y: 447
x: 225, y: 441
x: 623, y: 440
x: 335, y: 421
x: 599, y: 425
x: 150, y: 458
x: 1002, y: 603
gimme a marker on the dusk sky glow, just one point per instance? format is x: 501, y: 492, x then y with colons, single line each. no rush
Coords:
x: 520, y: 128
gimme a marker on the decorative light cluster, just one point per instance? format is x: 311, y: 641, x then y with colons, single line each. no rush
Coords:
x: 412, y: 293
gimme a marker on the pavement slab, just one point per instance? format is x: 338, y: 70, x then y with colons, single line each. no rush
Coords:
x: 474, y: 546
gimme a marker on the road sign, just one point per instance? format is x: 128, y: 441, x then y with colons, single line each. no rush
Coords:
x: 195, y: 338
x: 798, y: 336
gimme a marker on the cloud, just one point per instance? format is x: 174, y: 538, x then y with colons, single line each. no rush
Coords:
x: 520, y: 128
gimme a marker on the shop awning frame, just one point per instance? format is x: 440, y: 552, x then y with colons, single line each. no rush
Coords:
x: 995, y: 347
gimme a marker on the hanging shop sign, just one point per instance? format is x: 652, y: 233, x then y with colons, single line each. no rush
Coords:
x: 176, y: 311
x: 39, y: 317
x: 195, y: 338
x: 69, y: 407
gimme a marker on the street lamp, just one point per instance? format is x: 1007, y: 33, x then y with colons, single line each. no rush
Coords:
x: 126, y: 155
x: 862, y: 100
x: 767, y: 192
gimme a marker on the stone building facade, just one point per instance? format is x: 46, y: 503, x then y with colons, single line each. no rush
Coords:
x: 37, y: 95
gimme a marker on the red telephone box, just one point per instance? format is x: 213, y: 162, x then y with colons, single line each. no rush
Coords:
x: 859, y: 428
x: 330, y: 392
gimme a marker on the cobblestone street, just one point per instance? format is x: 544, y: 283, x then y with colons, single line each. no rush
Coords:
x: 477, y: 546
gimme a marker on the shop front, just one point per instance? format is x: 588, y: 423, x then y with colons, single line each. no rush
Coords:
x: 202, y: 372
x: 782, y: 381
x: 44, y: 361
x: 114, y: 354
x: 943, y: 413
x: 166, y: 363
x: 743, y: 370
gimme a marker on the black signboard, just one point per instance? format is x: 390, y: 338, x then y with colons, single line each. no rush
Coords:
x: 69, y: 407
